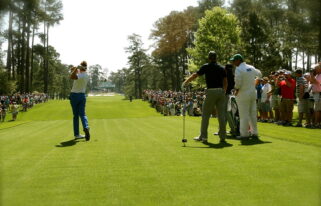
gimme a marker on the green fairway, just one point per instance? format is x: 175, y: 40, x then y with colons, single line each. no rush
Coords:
x: 136, y: 157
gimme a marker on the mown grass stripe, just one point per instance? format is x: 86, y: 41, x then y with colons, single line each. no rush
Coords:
x: 141, y: 161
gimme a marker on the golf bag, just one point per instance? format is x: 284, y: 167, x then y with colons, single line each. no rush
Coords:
x: 233, y: 117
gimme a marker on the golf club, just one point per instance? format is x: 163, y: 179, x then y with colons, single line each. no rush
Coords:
x: 184, y: 113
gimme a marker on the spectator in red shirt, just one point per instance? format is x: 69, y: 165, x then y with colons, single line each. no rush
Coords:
x: 287, y: 87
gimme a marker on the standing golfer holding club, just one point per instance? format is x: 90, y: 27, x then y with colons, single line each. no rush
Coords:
x: 78, y: 99
x: 245, y: 76
x: 216, y: 83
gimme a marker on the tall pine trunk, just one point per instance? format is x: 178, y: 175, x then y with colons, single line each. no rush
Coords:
x: 19, y: 54
x: 45, y: 68
x: 296, y: 58
x: 23, y: 56
x: 303, y: 60
x: 27, y: 72
x: 31, y: 68
x: 14, y: 62
x: 319, y: 49
x: 9, y: 51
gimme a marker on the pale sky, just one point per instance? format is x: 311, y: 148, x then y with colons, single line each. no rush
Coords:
x: 97, y: 30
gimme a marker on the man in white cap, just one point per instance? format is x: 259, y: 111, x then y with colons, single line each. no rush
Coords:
x: 245, y: 76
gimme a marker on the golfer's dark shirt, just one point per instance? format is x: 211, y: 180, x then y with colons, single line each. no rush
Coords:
x: 230, y: 82
x: 214, y: 75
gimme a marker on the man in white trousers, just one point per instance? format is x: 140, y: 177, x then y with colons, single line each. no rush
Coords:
x: 245, y: 76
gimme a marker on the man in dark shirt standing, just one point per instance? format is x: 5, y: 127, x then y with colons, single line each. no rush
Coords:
x: 216, y: 83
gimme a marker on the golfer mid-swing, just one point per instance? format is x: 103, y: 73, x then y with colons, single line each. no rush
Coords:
x: 216, y: 83
x: 78, y: 99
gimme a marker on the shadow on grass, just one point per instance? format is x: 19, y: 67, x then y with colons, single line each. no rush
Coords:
x: 213, y: 146
x: 247, y: 141
x: 68, y: 143
x: 252, y: 141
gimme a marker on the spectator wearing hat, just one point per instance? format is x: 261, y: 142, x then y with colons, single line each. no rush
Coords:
x: 245, y: 76
x: 275, y: 99
x: 311, y: 98
x: 287, y: 87
x: 78, y: 99
x: 265, y: 99
x: 258, y: 87
x: 3, y: 112
x: 216, y: 82
x: 315, y: 79
x: 302, y: 95
x: 14, y: 108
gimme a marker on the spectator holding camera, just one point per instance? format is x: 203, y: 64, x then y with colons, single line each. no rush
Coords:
x: 302, y: 94
x: 265, y: 99
x: 315, y: 80
x: 275, y: 100
x: 287, y: 87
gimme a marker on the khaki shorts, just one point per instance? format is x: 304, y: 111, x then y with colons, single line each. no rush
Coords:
x: 265, y: 107
x: 317, y: 106
x: 311, y: 104
x: 275, y: 102
x: 258, y: 105
x: 317, y: 102
x: 303, y: 106
x: 286, y: 105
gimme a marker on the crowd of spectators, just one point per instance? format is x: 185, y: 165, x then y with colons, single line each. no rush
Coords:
x: 19, y: 102
x: 276, y: 96
x: 281, y: 90
x: 170, y: 103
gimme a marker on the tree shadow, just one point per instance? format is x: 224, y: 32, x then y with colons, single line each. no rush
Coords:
x: 252, y: 141
x: 68, y: 143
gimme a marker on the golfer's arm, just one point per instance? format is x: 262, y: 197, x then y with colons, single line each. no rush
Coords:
x: 191, y: 78
x: 73, y: 74
x: 237, y: 80
x: 313, y: 80
x: 225, y: 84
x: 288, y: 83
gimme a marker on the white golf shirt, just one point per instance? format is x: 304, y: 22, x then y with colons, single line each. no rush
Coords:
x: 245, y: 79
x: 265, y: 90
x: 80, y: 84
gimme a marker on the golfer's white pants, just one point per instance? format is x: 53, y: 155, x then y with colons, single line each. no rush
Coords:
x: 248, y: 114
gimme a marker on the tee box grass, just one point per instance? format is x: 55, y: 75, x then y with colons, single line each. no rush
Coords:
x: 136, y: 157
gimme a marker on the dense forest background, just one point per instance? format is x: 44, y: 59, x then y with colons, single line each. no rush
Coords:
x: 270, y: 34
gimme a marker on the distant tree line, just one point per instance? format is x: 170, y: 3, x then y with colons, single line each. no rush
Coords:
x: 29, y: 66
x: 33, y: 67
x: 270, y: 34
